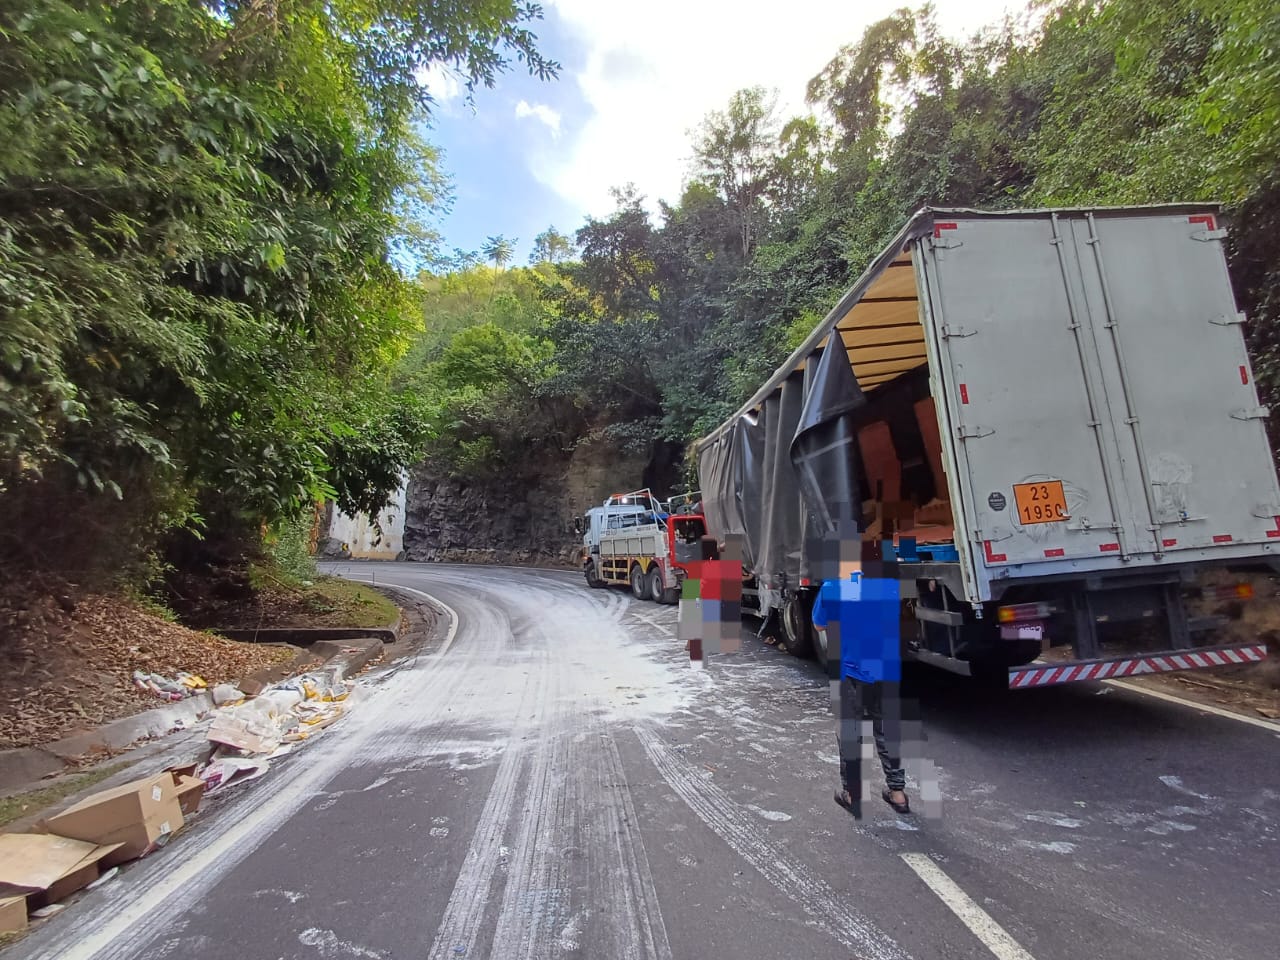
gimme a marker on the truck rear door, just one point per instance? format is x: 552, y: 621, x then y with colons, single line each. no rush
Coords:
x: 1097, y: 388
x: 1035, y: 453
x: 1198, y: 468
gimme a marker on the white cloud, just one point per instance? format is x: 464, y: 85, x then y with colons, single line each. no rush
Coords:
x: 654, y: 70
x: 540, y: 112
x: 441, y: 83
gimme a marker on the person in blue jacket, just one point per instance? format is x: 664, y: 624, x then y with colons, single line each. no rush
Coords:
x: 858, y: 615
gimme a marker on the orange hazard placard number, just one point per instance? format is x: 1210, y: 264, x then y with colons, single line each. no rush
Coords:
x: 1041, y: 502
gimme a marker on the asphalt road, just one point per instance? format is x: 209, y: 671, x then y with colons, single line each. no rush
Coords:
x: 551, y: 780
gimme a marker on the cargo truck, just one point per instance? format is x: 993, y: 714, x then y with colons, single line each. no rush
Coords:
x: 1049, y: 420
x: 636, y: 540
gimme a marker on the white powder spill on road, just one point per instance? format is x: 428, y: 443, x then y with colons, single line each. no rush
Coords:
x: 291, y: 895
x: 895, y: 824
x: 1181, y: 811
x: 719, y: 811
x: 1054, y: 820
x: 1175, y: 783
x: 775, y: 815
x: 333, y: 796
x: 1166, y: 827
x: 439, y: 831
x: 328, y: 944
x: 1054, y: 846
x: 568, y: 937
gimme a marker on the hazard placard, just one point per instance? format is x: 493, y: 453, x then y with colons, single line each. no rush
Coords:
x: 1044, y: 501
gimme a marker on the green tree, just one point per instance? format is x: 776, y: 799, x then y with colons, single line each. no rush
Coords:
x: 735, y: 151
x: 199, y: 206
x: 551, y: 246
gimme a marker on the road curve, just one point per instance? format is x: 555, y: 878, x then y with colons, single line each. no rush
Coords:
x: 554, y: 782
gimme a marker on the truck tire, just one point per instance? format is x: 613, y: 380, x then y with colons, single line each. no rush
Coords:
x: 589, y: 571
x: 797, y: 630
x: 820, y: 640
x: 653, y: 583
x: 639, y: 585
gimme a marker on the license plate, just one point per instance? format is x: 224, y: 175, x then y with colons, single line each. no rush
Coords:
x: 1044, y: 501
x: 1022, y: 631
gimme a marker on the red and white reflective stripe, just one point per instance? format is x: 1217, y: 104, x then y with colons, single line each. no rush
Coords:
x: 1044, y: 676
x: 1276, y: 532
x: 1204, y: 218
x: 992, y: 556
x: 939, y: 227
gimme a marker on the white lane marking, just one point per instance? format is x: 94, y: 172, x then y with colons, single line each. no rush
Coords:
x: 626, y: 886
x: 453, y: 614
x: 979, y: 922
x: 536, y: 892
x: 460, y: 925
x: 742, y: 832
x: 1195, y: 705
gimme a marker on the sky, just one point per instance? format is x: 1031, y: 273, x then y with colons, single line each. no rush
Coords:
x: 636, y: 78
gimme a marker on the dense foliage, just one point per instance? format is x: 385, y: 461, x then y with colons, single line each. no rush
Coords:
x: 657, y: 329
x: 200, y: 205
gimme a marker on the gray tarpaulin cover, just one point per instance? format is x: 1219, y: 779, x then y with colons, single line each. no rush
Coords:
x: 799, y: 449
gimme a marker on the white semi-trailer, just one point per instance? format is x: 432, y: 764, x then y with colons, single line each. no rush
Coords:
x: 1055, y: 406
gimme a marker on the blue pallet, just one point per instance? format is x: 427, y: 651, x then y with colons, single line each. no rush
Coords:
x: 938, y: 553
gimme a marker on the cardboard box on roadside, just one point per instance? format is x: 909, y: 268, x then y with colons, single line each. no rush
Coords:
x: 139, y: 816
x: 13, y: 914
x: 190, y: 790
x: 36, y: 869
x: 250, y: 687
x: 188, y: 786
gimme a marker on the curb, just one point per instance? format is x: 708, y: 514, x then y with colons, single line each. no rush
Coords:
x: 25, y: 766
x: 569, y: 568
x: 348, y: 659
x: 21, y: 766
x: 308, y: 636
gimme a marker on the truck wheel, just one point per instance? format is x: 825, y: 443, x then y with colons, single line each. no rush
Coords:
x: 639, y: 587
x: 589, y: 571
x: 819, y: 644
x: 653, y: 583
x: 797, y: 631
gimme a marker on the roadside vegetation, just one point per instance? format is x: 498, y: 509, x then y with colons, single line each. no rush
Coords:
x: 649, y: 329
x: 205, y: 210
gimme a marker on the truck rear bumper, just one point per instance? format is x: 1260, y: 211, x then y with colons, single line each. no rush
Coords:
x: 1044, y: 675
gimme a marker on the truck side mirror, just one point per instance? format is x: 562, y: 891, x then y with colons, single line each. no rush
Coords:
x: 577, y: 525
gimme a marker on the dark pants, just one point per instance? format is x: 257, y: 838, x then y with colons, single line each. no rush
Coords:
x: 882, y: 704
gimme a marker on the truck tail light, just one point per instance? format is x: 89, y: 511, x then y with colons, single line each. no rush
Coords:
x: 1232, y: 591
x: 1021, y: 612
